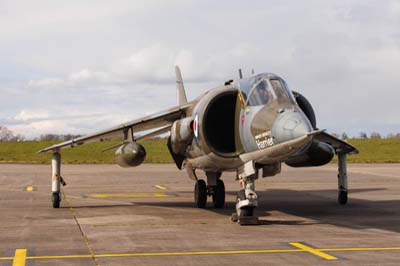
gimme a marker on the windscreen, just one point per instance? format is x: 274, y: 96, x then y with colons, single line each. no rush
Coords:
x: 256, y: 91
x: 281, y: 90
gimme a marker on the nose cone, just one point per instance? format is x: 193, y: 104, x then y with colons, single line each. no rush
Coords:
x: 290, y: 125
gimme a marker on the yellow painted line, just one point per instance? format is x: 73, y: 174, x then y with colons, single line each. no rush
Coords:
x: 222, y: 252
x: 359, y: 249
x: 155, y: 254
x: 160, y: 187
x: 314, y: 251
x: 128, y: 195
x: 19, y: 257
x: 20, y: 254
x: 60, y: 257
x: 29, y: 188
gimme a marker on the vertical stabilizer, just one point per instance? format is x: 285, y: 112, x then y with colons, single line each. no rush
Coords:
x: 180, y: 89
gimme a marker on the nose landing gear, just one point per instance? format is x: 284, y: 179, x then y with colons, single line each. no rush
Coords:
x: 246, y: 200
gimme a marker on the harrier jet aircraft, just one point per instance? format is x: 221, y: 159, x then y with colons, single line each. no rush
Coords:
x: 249, y: 126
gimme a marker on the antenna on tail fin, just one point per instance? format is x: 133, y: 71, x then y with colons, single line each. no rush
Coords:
x: 180, y: 89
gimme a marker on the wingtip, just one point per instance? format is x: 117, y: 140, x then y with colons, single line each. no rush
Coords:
x: 41, y: 151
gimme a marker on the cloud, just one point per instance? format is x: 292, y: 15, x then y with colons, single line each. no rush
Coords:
x: 25, y: 115
x: 61, y: 62
x: 150, y: 65
x: 46, y: 83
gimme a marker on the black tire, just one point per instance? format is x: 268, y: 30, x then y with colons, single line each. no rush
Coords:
x: 55, y: 198
x: 342, y: 197
x: 249, y: 211
x: 200, y: 193
x: 218, y: 197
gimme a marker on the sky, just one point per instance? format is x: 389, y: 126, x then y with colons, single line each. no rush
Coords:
x: 82, y: 66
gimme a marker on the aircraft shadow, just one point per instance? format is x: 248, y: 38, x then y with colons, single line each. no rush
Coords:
x: 320, y: 206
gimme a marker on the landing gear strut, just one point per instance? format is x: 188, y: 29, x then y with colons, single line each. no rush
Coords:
x: 56, y: 179
x: 342, y: 179
x: 215, y: 189
x: 246, y: 200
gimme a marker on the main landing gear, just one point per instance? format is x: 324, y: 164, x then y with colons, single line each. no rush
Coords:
x: 215, y: 189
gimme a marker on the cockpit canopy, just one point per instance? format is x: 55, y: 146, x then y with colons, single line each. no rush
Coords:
x: 263, y: 88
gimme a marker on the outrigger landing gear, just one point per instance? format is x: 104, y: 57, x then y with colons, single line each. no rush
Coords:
x: 246, y: 200
x: 215, y: 188
x: 56, y: 179
x: 342, y: 179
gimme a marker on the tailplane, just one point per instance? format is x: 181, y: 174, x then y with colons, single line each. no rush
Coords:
x: 180, y: 89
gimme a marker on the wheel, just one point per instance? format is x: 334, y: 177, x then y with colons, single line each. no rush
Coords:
x: 342, y: 197
x: 244, y: 211
x: 247, y: 211
x: 218, y: 197
x: 55, y: 198
x: 200, y: 193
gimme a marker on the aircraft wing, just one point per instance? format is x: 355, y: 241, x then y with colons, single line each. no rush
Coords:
x: 154, y: 124
x: 338, y: 144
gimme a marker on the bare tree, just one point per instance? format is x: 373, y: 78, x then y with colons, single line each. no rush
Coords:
x: 70, y: 136
x: 344, y: 135
x: 375, y: 135
x: 363, y: 135
x: 56, y: 137
x: 18, y: 137
x: 393, y: 136
x: 49, y: 137
x: 6, y: 134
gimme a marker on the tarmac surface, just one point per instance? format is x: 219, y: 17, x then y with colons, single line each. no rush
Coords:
x: 146, y: 216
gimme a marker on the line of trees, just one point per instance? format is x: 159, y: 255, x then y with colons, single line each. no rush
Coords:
x: 56, y: 137
x: 8, y: 135
x: 373, y: 135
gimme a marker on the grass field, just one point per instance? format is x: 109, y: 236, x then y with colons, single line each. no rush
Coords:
x: 25, y: 152
x: 371, y: 151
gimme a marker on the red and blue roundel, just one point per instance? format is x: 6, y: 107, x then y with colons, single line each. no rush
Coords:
x: 196, y: 126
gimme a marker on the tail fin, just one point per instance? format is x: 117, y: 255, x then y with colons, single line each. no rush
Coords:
x: 180, y: 89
